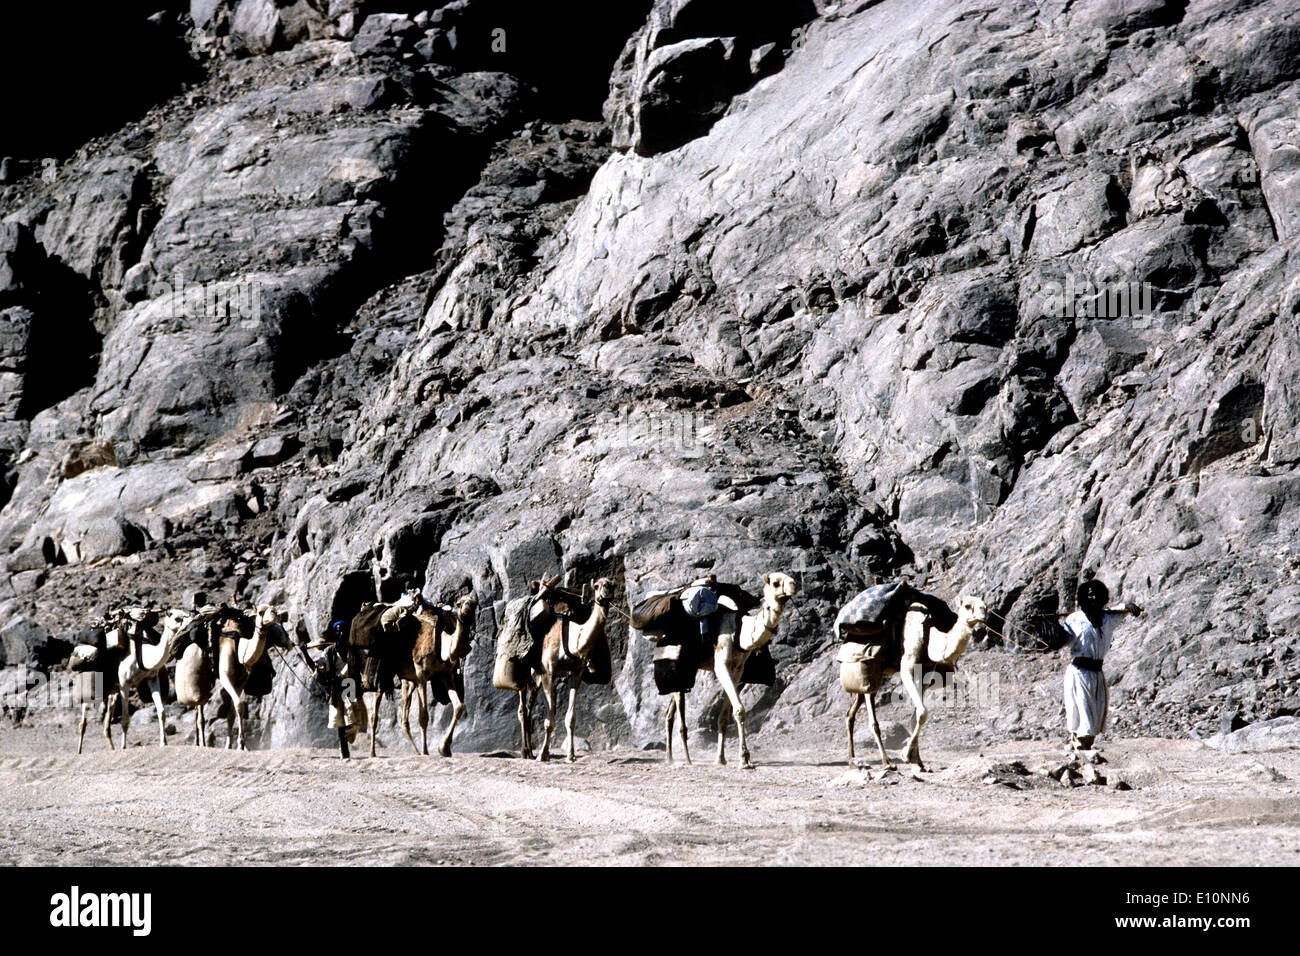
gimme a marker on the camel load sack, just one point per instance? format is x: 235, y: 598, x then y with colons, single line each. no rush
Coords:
x: 518, y: 654
x: 871, y: 627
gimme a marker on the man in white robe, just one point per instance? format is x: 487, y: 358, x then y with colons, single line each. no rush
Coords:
x: 1090, y: 631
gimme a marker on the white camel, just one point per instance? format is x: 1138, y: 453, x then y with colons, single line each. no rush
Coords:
x: 142, y: 662
x: 861, y: 673
x: 739, y: 636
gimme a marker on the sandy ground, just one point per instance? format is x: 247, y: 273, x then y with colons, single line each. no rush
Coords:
x: 1189, y: 805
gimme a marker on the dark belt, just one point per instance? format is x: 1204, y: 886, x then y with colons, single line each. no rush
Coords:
x: 1088, y: 664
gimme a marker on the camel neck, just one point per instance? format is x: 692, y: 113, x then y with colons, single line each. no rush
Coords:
x: 591, y: 629
x: 769, y: 617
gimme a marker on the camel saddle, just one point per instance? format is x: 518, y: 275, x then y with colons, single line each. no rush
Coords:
x: 885, y: 647
x: 685, y: 640
x: 868, y: 617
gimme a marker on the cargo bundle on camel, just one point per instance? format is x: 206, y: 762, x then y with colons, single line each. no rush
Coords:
x: 711, y: 626
x: 896, y: 629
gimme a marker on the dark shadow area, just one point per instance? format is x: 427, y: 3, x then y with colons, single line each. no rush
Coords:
x: 75, y: 70
x: 354, y: 590
x: 62, y: 344
x: 566, y: 50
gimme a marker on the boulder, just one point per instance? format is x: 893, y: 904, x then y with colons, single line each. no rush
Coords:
x: 1280, y: 733
x: 256, y: 24
x: 273, y: 450
x: 27, y: 644
x: 103, y: 538
x: 385, y: 34
x: 86, y: 455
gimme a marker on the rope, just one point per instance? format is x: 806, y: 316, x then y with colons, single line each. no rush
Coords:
x: 1038, y: 642
x: 289, y: 668
x: 994, y: 630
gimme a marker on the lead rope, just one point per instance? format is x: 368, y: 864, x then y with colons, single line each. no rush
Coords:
x: 288, y: 666
x: 1039, y: 643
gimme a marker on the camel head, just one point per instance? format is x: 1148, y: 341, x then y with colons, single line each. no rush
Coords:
x: 603, y: 591
x: 778, y: 588
x: 466, y: 609
x: 268, y: 617
x: 972, y: 611
x: 175, y: 622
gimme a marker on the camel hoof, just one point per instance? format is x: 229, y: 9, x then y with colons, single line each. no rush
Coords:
x: 720, y: 762
x: 444, y: 751
x: 746, y: 766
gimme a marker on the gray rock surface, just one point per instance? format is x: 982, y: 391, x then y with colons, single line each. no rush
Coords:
x: 990, y: 297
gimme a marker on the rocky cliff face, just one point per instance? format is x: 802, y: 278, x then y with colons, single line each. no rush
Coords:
x: 380, y: 296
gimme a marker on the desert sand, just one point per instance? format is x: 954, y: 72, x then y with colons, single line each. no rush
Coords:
x: 1189, y: 805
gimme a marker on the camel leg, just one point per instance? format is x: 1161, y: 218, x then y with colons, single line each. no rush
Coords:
x: 81, y: 726
x: 548, y: 689
x: 425, y: 709
x: 200, y: 738
x: 237, y: 718
x: 408, y: 688
x: 525, y: 743
x: 909, y: 674
x: 109, y: 703
x: 571, y: 718
x: 457, y: 712
x: 155, y: 691
x: 669, y: 712
x: 125, y: 695
x: 875, y: 730
x: 724, y: 718
x: 848, y: 721
x: 681, y: 713
x: 728, y: 682
x: 374, y: 719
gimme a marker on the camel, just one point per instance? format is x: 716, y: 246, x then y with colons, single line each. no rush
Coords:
x: 142, y: 660
x: 923, y: 644
x: 442, y: 642
x: 96, y: 682
x: 386, y: 635
x: 739, y: 636
x: 565, y: 651
x: 519, y: 651
x: 238, y: 652
x: 194, y: 685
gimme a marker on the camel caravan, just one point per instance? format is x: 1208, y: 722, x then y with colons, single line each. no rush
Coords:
x: 553, y: 634
x: 217, y: 647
